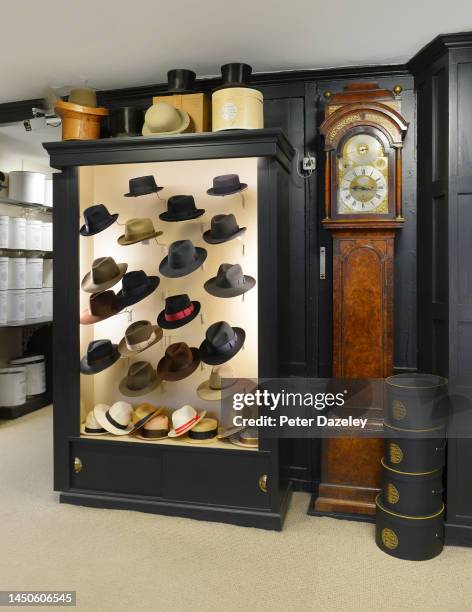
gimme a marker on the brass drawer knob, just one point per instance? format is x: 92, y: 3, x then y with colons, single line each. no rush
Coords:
x: 263, y: 483
x: 77, y: 465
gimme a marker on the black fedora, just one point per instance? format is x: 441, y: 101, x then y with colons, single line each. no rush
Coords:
x: 235, y: 74
x: 221, y: 343
x: 223, y: 229
x: 136, y: 286
x: 182, y: 259
x: 97, y: 218
x: 180, y: 80
x: 229, y: 282
x: 142, y: 185
x: 226, y: 184
x: 125, y: 121
x: 179, y: 311
x: 181, y: 208
x: 101, y: 354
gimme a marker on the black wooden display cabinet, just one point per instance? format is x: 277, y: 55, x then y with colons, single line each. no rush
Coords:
x: 201, y: 483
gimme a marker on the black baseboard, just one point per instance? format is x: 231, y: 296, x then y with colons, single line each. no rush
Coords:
x: 458, y: 535
x: 34, y: 403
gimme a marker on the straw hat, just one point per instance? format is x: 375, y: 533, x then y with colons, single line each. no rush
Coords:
x: 156, y: 428
x: 115, y: 419
x: 204, y: 432
x: 91, y: 427
x: 142, y: 414
x: 184, y: 419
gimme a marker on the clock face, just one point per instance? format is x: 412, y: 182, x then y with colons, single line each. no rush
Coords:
x: 362, y: 176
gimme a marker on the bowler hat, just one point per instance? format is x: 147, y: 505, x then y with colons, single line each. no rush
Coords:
x: 181, y: 208
x: 178, y: 311
x: 142, y: 185
x: 125, y: 121
x: 179, y: 361
x: 235, y: 74
x: 182, y: 259
x: 221, y: 343
x: 229, y: 282
x: 226, y: 184
x: 104, y: 274
x: 116, y: 419
x: 184, y: 419
x: 180, y: 80
x: 156, y: 428
x: 136, y: 286
x: 97, y: 218
x: 163, y: 119
x: 139, y: 336
x: 223, y: 229
x: 141, y: 379
x: 101, y: 354
x: 101, y: 306
x: 137, y: 230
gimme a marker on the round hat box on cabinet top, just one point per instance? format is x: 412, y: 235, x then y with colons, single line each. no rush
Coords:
x: 237, y: 108
x: 35, y: 369
x: 4, y: 231
x: 3, y: 273
x: 17, y: 233
x: 414, y: 451
x: 27, y: 186
x: 3, y: 307
x: 12, y: 386
x: 412, y: 538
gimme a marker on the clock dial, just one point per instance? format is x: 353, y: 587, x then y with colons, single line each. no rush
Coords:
x: 363, y: 189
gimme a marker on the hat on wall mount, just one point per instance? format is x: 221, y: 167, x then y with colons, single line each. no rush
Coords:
x: 181, y: 208
x: 235, y: 74
x: 221, y: 343
x: 163, y: 119
x: 116, y: 419
x: 142, y: 185
x: 91, y: 427
x: 140, y: 380
x: 139, y: 336
x: 136, y: 286
x: 101, y: 354
x: 222, y: 384
x: 142, y: 413
x: 184, y: 419
x: 226, y: 184
x: 182, y: 259
x: 96, y: 219
x: 101, y: 306
x: 178, y: 311
x: 229, y: 282
x: 137, y: 230
x: 223, y: 228
x: 156, y: 428
x: 179, y: 362
x: 203, y: 432
x: 104, y: 274
x: 180, y: 80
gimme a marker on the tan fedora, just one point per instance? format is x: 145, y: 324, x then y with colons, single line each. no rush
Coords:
x: 104, y: 274
x: 156, y: 428
x: 163, y: 119
x: 137, y: 230
x: 222, y: 383
x: 139, y: 336
x: 204, y: 432
x: 142, y: 413
x: 141, y: 379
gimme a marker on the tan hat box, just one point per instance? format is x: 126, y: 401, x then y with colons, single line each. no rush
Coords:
x: 197, y: 105
x: 237, y: 108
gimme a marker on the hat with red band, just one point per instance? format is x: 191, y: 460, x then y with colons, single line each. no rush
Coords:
x: 179, y: 311
x: 184, y: 419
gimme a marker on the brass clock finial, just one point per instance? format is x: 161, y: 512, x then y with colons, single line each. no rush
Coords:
x: 327, y: 94
x: 397, y: 90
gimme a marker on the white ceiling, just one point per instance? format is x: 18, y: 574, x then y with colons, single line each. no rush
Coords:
x: 113, y: 44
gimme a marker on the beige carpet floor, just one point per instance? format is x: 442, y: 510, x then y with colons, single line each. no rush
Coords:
x: 122, y: 561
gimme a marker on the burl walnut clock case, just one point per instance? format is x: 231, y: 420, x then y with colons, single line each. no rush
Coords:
x: 363, y: 133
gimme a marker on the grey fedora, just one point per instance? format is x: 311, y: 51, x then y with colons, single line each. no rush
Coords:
x: 182, y: 259
x: 223, y: 228
x: 229, y: 282
x: 221, y: 343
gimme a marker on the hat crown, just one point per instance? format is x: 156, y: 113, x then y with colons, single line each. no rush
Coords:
x: 182, y: 253
x: 142, y: 411
x: 179, y: 205
x: 134, y: 282
x: 223, y: 226
x: 226, y: 183
x: 142, y: 185
x: 177, y: 303
x: 137, y: 228
x: 158, y: 422
x: 182, y: 416
x: 102, y: 303
x: 104, y: 269
x: 91, y: 422
x: 220, y: 377
x: 236, y: 72
x: 139, y: 331
x: 99, y: 349
x: 180, y: 79
x: 219, y: 334
x: 230, y: 276
x: 121, y: 412
x: 179, y: 356
x: 95, y: 215
x: 162, y: 117
x: 140, y: 374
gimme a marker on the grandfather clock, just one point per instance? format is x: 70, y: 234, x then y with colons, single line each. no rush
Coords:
x: 363, y: 132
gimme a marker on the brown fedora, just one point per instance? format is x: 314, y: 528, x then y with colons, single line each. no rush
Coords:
x: 137, y: 230
x: 101, y: 306
x: 141, y: 379
x: 104, y: 274
x: 139, y: 336
x: 178, y: 362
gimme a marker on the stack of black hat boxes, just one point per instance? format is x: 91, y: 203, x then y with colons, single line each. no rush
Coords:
x: 410, y: 507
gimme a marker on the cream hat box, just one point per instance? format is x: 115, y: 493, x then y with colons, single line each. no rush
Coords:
x: 237, y: 108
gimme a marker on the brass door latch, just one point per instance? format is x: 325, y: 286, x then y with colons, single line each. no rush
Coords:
x: 77, y: 465
x: 263, y: 483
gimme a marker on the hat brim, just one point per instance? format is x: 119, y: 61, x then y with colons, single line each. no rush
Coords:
x: 85, y: 368
x: 99, y: 412
x: 207, y: 237
x: 137, y: 426
x: 172, y: 433
x: 149, y: 438
x: 87, y: 318
x: 124, y: 301
x: 125, y: 390
x: 169, y: 272
x: 185, y: 122
x: 122, y: 240
x: 211, y: 191
x: 170, y: 376
x: 227, y: 433
x: 236, y: 440
x: 166, y: 216
x: 137, y: 195
x: 161, y: 321
x: 90, y: 287
x: 228, y: 292
x: 83, y: 230
x: 190, y: 440
x: 126, y: 352
x: 218, y: 359
x: 87, y: 433
x: 205, y: 392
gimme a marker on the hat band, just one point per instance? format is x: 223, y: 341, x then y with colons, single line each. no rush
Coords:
x: 134, y: 291
x: 224, y: 347
x: 99, y: 360
x: 138, y: 346
x: 187, y: 424
x: 202, y: 435
x: 154, y: 433
x: 181, y: 314
x: 223, y: 283
x: 112, y: 421
x: 222, y: 386
x: 94, y: 430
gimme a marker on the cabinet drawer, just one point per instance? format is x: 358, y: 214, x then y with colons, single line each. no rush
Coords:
x: 115, y: 468
x: 222, y: 479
